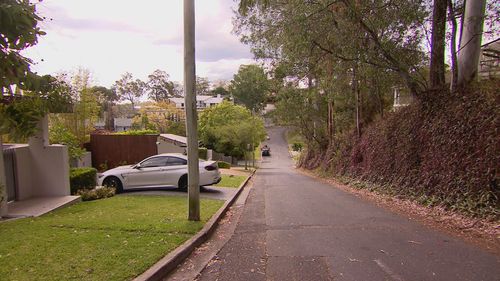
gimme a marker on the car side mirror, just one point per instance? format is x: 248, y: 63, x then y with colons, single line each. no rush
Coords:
x: 137, y: 166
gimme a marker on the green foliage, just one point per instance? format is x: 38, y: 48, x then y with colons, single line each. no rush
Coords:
x: 297, y: 146
x: 223, y: 165
x: 159, y: 87
x: 229, y: 129
x: 138, y: 132
x: 442, y: 152
x: 61, y: 135
x: 202, y: 86
x: 203, y: 153
x: 249, y: 87
x: 129, y: 89
x: 18, y: 31
x: 220, y: 90
x: 163, y: 117
x: 96, y: 193
x: 82, y: 178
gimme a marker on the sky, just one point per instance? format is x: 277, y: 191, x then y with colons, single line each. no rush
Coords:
x: 115, y: 36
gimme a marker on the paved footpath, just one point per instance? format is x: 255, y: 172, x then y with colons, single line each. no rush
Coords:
x: 294, y: 227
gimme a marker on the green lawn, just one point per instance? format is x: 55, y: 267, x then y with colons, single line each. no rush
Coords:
x: 231, y: 181
x: 110, y: 239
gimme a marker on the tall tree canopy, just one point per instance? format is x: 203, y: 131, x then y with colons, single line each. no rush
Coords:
x: 229, y: 129
x: 159, y: 87
x: 129, y: 89
x: 250, y: 86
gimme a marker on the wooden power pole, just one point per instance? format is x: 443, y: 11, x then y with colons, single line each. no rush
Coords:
x: 191, y: 114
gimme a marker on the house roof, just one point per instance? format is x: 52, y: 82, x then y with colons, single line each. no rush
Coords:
x: 123, y: 122
x: 175, y: 138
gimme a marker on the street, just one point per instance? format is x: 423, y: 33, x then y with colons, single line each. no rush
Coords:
x: 294, y: 227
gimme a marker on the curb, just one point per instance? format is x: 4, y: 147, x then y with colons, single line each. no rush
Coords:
x: 169, y: 262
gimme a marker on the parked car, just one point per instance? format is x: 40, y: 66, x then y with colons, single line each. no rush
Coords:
x: 162, y: 170
x: 266, y: 151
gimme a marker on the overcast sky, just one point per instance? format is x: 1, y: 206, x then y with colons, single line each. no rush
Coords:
x: 112, y: 37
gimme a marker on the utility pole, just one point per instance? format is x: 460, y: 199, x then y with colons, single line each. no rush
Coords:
x: 191, y: 114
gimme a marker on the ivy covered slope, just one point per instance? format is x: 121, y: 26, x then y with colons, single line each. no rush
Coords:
x: 441, y: 152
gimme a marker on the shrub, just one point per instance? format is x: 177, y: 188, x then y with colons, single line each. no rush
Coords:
x: 203, y: 153
x: 138, y: 132
x: 297, y: 146
x: 223, y: 165
x: 96, y: 193
x: 82, y: 178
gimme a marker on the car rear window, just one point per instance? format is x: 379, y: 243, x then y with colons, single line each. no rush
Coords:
x: 174, y: 161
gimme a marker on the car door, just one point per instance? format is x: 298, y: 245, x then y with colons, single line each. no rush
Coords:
x: 149, y: 173
x: 176, y: 167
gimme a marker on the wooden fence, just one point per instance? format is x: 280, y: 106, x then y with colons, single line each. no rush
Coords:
x: 109, y: 151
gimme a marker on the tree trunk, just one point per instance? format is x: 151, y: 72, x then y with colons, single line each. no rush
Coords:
x: 470, y: 42
x: 331, y: 120
x: 453, y: 46
x: 437, y: 44
x: 355, y: 89
x: 3, y: 184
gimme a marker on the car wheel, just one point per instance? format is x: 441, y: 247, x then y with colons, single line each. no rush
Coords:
x: 183, y: 183
x: 113, y: 182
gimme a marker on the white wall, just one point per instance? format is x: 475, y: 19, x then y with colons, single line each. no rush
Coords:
x: 49, y: 165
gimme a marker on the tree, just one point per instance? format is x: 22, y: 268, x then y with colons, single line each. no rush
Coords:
x: 162, y: 117
x: 229, y: 129
x: 438, y: 43
x: 202, y: 86
x: 220, y: 91
x: 129, y: 89
x: 159, y: 87
x: 86, y: 106
x: 107, y: 98
x: 18, y: 116
x: 249, y: 87
x: 470, y: 42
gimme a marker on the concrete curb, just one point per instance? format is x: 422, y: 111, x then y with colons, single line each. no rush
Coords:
x: 168, y: 263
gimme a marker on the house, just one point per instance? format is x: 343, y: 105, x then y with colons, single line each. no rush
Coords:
x: 123, y: 124
x: 401, y: 98
x: 37, y: 174
x: 202, y: 102
x: 170, y: 143
x: 489, y: 60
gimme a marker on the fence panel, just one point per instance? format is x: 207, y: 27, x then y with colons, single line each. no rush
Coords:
x: 109, y: 151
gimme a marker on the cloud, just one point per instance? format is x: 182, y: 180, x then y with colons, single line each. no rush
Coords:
x: 60, y: 19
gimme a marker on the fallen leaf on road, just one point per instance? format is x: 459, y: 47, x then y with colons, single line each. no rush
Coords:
x: 353, y: 260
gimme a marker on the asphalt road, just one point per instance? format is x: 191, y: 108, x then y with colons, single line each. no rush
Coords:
x: 296, y: 228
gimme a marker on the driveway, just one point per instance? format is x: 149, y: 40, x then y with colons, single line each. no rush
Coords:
x: 294, y: 227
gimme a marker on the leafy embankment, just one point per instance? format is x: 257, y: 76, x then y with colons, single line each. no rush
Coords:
x: 444, y: 151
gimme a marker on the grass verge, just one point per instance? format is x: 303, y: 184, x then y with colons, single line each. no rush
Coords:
x: 110, y: 239
x: 231, y: 181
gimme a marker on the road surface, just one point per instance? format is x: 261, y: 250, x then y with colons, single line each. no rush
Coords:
x: 294, y: 227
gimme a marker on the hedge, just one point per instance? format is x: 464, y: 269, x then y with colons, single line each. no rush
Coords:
x: 82, y: 178
x: 223, y: 165
x: 96, y: 193
x: 203, y: 153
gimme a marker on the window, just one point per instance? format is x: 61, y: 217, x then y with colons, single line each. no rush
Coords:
x: 154, y: 162
x: 174, y: 161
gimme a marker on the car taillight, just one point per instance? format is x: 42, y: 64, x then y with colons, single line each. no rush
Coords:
x: 210, y: 168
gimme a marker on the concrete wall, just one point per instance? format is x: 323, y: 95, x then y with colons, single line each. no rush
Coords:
x: 168, y: 147
x: 84, y: 161
x: 49, y: 164
x: 24, y: 172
